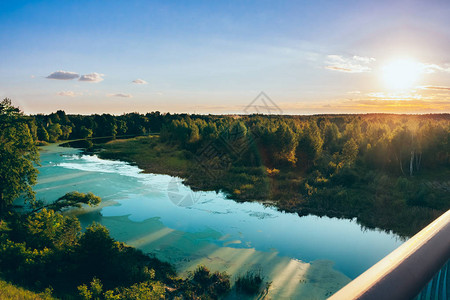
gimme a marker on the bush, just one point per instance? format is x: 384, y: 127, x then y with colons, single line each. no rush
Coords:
x: 210, y: 285
x: 250, y: 283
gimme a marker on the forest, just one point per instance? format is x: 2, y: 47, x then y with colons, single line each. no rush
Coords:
x: 387, y: 171
x: 44, y: 253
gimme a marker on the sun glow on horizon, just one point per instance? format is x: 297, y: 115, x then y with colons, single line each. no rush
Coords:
x: 401, y: 74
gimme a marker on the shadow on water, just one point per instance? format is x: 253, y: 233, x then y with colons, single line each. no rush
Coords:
x: 290, y: 278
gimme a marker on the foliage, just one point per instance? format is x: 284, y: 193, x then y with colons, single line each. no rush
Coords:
x: 18, y: 153
x: 326, y: 165
x: 12, y: 292
x: 69, y: 200
x: 207, y: 284
x: 385, y: 170
x: 250, y: 283
x: 47, y: 248
x: 47, y: 229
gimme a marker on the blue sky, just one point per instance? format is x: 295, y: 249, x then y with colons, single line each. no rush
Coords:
x: 215, y: 57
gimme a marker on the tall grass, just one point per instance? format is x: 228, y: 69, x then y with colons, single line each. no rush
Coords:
x: 12, y: 292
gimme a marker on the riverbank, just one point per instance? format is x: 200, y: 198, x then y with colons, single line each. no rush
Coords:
x: 219, y: 233
x: 376, y: 200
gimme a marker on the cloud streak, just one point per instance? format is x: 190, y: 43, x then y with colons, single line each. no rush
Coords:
x: 436, y: 88
x: 369, y: 106
x: 121, y: 95
x: 93, y: 77
x: 139, y: 81
x: 354, y: 64
x: 63, y: 75
x: 67, y: 94
x: 432, y: 68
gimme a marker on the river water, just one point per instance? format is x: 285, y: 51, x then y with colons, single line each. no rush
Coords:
x: 304, y: 257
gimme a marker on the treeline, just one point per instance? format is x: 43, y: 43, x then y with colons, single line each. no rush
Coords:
x: 398, y: 143
x: 389, y: 171
x: 60, y: 126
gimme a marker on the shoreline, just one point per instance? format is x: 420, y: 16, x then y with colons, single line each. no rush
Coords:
x: 152, y: 156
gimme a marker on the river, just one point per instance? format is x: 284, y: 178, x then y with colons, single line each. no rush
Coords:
x: 304, y: 257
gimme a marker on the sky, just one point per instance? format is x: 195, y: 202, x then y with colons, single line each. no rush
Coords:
x: 308, y: 57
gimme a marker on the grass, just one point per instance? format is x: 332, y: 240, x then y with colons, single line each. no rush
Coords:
x: 12, y: 292
x: 149, y: 155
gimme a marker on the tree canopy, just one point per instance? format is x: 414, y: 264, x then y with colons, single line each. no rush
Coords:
x: 18, y: 154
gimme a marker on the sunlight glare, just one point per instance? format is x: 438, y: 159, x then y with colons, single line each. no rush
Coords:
x: 401, y: 74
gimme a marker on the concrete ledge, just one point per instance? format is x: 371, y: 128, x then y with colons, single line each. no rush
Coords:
x: 404, y: 272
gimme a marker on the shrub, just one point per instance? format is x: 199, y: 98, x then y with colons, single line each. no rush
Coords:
x: 250, y: 283
x: 210, y: 285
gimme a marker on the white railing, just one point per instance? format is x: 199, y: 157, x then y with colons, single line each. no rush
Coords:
x: 405, y: 272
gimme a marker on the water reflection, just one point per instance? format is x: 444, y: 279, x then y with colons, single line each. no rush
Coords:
x: 224, y: 234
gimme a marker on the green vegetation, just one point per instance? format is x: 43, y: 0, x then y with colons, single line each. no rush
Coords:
x: 388, y: 171
x: 250, y: 283
x: 12, y: 292
x: 150, y: 154
x: 46, y: 252
x: 17, y: 155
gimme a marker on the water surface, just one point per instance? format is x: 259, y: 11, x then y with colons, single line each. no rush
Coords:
x: 303, y: 256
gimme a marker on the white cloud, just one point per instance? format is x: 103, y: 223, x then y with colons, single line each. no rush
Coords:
x: 431, y: 68
x: 355, y: 64
x: 396, y: 95
x: 139, y: 81
x: 120, y: 95
x: 436, y: 88
x: 68, y: 93
x: 93, y: 77
x: 63, y: 75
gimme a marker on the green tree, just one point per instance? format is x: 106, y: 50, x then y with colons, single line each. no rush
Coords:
x: 285, y: 143
x: 310, y: 145
x: 18, y: 153
x: 85, y: 132
x: 401, y: 145
x: 66, y: 131
x: 54, y: 132
x: 51, y: 230
x: 350, y: 152
x: 331, y: 137
x: 42, y: 134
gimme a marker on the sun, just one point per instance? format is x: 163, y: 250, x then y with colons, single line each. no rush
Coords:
x: 401, y: 74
